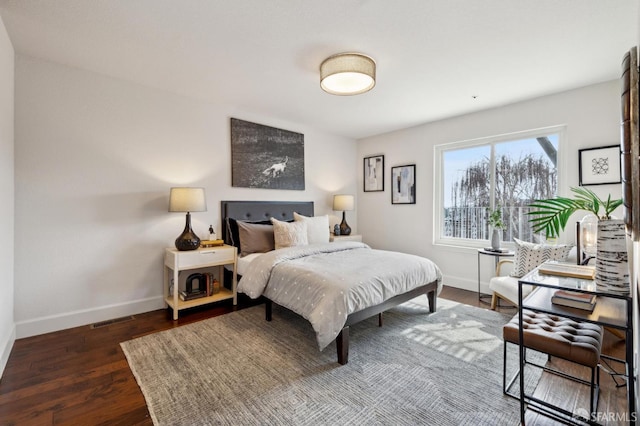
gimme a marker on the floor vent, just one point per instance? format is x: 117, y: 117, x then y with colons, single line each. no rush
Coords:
x: 112, y: 321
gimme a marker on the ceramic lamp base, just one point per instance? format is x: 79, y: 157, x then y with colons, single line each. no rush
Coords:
x: 344, y: 228
x: 187, y: 240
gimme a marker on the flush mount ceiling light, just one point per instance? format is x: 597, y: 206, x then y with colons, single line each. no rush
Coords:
x: 347, y: 74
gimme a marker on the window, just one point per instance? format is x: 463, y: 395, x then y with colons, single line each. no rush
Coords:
x: 506, y: 172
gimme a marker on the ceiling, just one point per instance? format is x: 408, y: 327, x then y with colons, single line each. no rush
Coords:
x: 435, y: 58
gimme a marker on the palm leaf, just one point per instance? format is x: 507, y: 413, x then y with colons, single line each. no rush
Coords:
x: 552, y: 215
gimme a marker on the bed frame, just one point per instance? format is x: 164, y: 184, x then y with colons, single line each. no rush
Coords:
x: 283, y: 210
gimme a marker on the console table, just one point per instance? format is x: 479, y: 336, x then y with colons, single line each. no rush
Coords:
x: 613, y: 311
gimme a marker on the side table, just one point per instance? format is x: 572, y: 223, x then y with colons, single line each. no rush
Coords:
x: 176, y: 261
x: 350, y: 237
x: 483, y: 297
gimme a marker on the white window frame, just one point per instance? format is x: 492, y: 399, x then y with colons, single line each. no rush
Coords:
x: 438, y: 179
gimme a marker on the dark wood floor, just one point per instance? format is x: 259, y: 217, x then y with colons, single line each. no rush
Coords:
x: 81, y: 377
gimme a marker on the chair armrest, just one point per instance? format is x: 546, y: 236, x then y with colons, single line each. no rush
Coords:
x: 504, y: 267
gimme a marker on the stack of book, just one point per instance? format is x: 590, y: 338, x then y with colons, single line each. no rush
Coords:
x: 498, y: 250
x: 574, y: 299
x: 194, y: 294
x: 564, y: 269
x: 207, y: 287
x: 211, y: 243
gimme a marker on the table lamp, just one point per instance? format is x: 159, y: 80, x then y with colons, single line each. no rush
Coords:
x: 344, y: 203
x: 187, y: 200
x: 587, y: 239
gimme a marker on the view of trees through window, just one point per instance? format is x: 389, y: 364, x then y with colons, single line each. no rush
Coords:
x: 507, y: 175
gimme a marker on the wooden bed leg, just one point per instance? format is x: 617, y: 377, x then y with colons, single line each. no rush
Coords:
x: 431, y: 296
x: 342, y: 345
x: 380, y: 319
x: 268, y: 309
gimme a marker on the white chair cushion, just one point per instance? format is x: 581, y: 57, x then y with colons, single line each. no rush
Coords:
x: 507, y: 287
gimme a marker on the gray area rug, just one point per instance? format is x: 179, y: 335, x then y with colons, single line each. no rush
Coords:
x: 418, y: 369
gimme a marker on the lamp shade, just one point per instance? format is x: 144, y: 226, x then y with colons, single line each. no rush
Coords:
x: 187, y: 200
x: 343, y: 202
x: 347, y: 74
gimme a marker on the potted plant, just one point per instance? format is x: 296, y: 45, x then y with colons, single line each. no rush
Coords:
x: 496, y: 224
x: 552, y: 215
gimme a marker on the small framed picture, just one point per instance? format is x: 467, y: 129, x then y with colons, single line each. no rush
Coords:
x: 600, y: 166
x: 374, y: 173
x: 403, y: 184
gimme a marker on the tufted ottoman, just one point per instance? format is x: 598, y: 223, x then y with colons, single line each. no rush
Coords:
x: 578, y: 342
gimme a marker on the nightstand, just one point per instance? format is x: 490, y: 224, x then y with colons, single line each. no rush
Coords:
x: 352, y: 237
x: 176, y: 261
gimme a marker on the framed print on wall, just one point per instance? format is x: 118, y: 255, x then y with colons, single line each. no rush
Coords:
x: 266, y: 157
x: 403, y: 184
x: 599, y: 166
x: 374, y: 173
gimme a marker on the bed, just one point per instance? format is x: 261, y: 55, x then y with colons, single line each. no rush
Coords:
x: 332, y: 285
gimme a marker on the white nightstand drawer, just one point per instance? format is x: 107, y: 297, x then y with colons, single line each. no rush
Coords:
x: 201, y: 257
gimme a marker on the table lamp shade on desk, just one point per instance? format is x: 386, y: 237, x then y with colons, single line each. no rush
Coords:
x: 344, y: 203
x: 187, y: 200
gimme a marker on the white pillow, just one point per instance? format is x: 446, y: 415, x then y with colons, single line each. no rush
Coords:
x: 317, y: 227
x: 289, y: 234
x: 529, y: 256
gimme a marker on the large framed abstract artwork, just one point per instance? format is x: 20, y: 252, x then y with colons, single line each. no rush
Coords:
x: 599, y: 166
x: 373, y: 173
x: 403, y: 184
x: 266, y: 157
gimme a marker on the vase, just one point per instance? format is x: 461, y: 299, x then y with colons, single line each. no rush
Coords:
x: 495, y: 239
x: 612, y: 266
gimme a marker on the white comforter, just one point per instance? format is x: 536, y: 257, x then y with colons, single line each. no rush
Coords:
x: 326, y: 282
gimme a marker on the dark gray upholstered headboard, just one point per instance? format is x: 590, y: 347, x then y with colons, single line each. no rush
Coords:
x: 256, y: 211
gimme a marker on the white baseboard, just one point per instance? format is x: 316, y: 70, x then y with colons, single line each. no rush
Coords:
x: 52, y: 323
x: 64, y: 321
x: 6, y: 350
x: 462, y: 283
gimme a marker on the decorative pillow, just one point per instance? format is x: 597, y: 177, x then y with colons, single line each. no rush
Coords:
x: 289, y: 234
x: 233, y: 234
x: 255, y: 238
x: 529, y: 256
x: 317, y: 227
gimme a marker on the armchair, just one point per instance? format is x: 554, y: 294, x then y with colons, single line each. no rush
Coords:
x: 504, y: 286
x: 528, y: 256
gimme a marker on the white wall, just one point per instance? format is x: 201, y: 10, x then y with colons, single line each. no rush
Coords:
x: 7, y: 328
x: 591, y: 116
x: 95, y: 158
